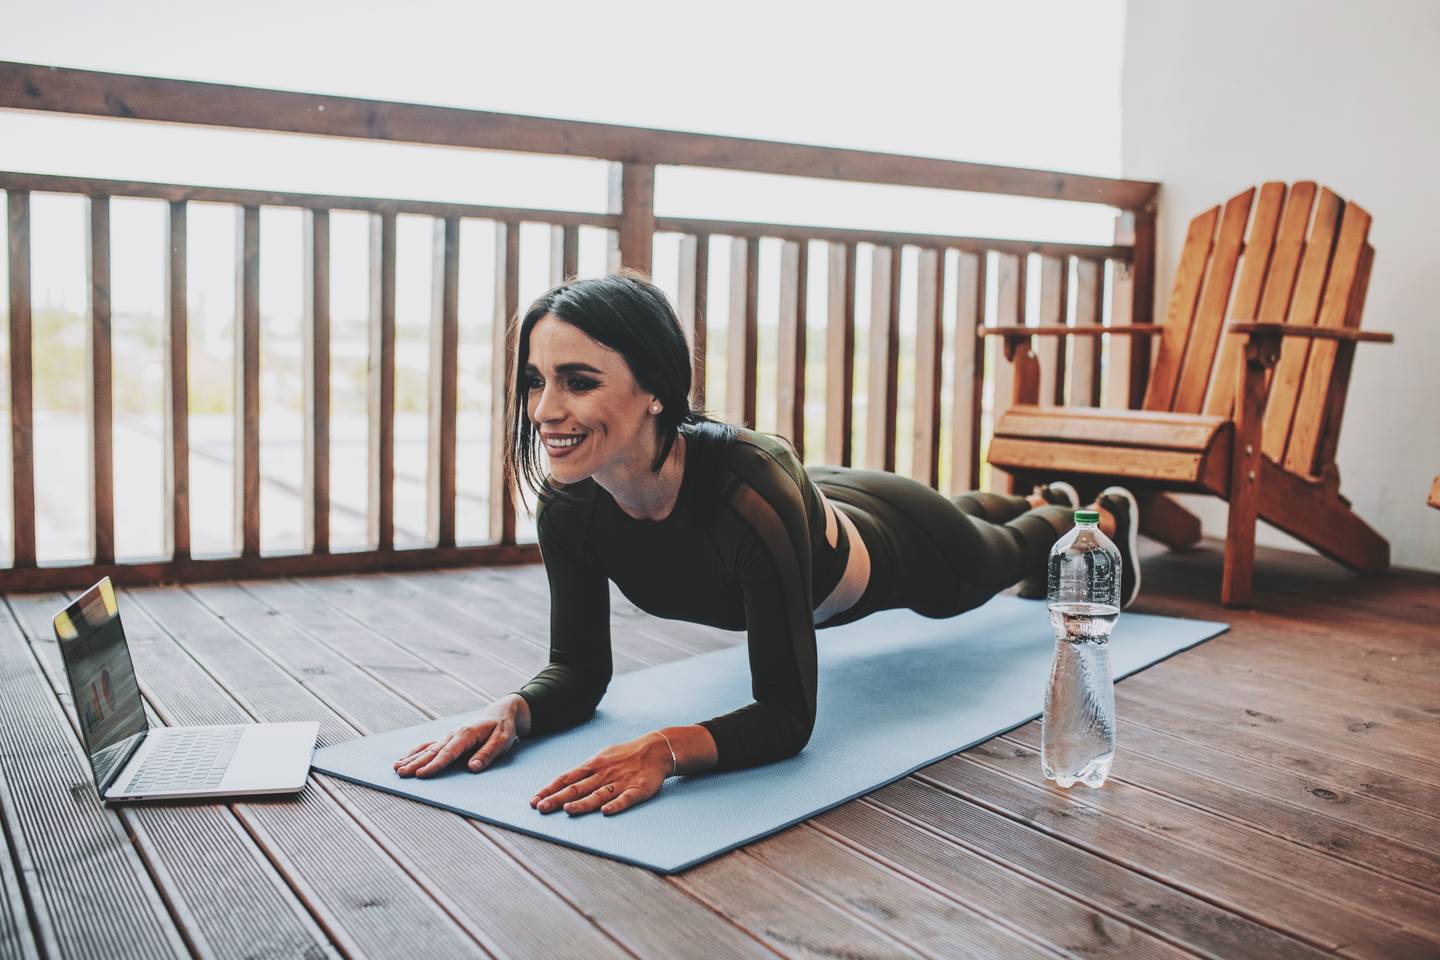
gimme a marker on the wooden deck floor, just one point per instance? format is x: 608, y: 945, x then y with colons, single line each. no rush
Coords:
x: 1275, y: 796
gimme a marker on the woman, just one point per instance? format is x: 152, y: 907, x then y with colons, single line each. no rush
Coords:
x: 716, y: 524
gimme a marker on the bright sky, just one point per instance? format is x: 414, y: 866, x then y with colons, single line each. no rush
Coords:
x: 1034, y: 84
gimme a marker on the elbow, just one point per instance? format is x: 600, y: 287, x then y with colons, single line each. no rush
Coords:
x: 798, y: 730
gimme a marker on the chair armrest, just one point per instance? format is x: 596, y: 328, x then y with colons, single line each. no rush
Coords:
x: 1313, y: 333
x: 1056, y: 330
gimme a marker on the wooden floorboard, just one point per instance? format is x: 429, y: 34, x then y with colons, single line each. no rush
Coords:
x: 1274, y: 795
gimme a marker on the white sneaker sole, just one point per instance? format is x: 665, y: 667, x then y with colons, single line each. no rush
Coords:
x: 1068, y: 490
x: 1133, y: 537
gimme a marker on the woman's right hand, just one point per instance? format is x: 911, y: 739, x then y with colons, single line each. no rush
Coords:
x: 488, y: 736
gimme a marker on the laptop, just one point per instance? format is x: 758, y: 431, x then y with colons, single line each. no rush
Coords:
x: 132, y: 760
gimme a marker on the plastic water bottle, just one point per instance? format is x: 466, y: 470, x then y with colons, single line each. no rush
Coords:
x: 1077, y: 733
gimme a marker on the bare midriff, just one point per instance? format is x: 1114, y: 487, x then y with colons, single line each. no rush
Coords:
x: 857, y: 568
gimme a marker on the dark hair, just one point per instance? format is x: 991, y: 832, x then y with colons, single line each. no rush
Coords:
x: 631, y: 316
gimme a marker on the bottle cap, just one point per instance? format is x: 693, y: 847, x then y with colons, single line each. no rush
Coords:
x: 1087, y: 516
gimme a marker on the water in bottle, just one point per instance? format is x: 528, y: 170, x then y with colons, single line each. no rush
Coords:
x: 1077, y: 734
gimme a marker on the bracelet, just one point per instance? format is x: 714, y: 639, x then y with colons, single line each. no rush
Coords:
x: 674, y: 763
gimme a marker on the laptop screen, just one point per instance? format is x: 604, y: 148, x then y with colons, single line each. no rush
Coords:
x: 102, y: 679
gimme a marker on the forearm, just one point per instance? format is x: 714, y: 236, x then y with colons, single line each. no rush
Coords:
x: 561, y: 696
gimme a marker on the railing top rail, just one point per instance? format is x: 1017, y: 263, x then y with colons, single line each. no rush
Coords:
x: 26, y: 86
x: 92, y: 187
x: 784, y: 231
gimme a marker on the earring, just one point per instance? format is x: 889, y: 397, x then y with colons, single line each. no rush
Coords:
x: 654, y: 408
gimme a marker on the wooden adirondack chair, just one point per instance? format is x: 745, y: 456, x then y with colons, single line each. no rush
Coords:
x: 1249, y: 410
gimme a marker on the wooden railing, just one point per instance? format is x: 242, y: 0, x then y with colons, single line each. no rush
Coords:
x: 632, y: 227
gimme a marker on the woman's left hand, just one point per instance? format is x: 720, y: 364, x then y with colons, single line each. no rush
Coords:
x: 613, y: 780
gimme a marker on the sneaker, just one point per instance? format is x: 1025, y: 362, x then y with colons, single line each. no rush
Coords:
x: 1060, y: 493
x: 1122, y: 506
x: 1036, y: 586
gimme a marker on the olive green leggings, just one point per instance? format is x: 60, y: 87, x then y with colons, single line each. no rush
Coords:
x: 933, y: 554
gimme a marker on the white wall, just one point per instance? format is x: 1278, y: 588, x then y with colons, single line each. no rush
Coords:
x: 1224, y: 94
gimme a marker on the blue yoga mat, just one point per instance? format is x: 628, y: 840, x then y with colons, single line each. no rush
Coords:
x: 897, y: 691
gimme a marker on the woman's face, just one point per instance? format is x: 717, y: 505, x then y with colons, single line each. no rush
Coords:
x: 581, y: 388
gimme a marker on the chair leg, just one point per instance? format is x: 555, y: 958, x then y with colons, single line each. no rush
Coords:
x: 1161, y: 518
x: 1320, y: 519
x: 1237, y: 582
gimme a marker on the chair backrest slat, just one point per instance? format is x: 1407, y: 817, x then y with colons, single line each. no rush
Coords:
x: 1304, y: 307
x: 1337, y: 309
x: 1214, y: 296
x: 1344, y: 354
x: 1254, y: 268
x: 1194, y: 258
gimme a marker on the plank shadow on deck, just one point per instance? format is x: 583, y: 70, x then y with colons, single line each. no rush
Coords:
x: 1275, y: 795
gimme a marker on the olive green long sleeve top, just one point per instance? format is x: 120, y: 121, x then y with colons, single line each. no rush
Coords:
x: 743, y: 548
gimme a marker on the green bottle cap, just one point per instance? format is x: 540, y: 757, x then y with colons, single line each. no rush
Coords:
x: 1087, y: 516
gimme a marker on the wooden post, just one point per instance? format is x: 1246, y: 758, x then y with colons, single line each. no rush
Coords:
x: 840, y: 354
x: 444, y: 350
x: 743, y: 333
x: 1262, y: 350
x: 1012, y: 280
x: 1054, y: 310
x: 315, y: 342
x: 503, y: 346
x: 790, y: 394
x: 380, y: 509
x: 564, y: 254
x: 1137, y: 229
x: 22, y: 456
x: 694, y: 289
x: 177, y: 389
x: 100, y: 394
x: 1089, y: 309
x: 632, y: 196
x: 883, y: 394
x: 247, y: 381
x: 969, y: 373
x: 929, y: 351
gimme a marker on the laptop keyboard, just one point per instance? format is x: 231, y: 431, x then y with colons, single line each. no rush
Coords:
x: 187, y: 760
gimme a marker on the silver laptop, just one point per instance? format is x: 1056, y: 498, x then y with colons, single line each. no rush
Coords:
x: 134, y: 761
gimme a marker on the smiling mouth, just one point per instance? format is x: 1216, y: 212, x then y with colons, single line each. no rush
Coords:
x: 568, y: 443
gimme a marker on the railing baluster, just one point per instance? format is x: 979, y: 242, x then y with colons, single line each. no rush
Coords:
x: 1135, y: 286
x: 743, y: 333
x: 1085, y: 354
x: 177, y: 387
x: 380, y: 513
x: 884, y: 358
x: 316, y: 347
x: 564, y: 254
x: 100, y: 392
x: 1010, y: 301
x: 840, y: 355
x: 503, y: 344
x: 1054, y: 304
x: 693, y: 289
x: 632, y: 196
x: 790, y: 392
x: 22, y: 455
x: 969, y: 374
x: 444, y: 347
x: 1120, y: 351
x: 247, y: 381
x: 929, y: 337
